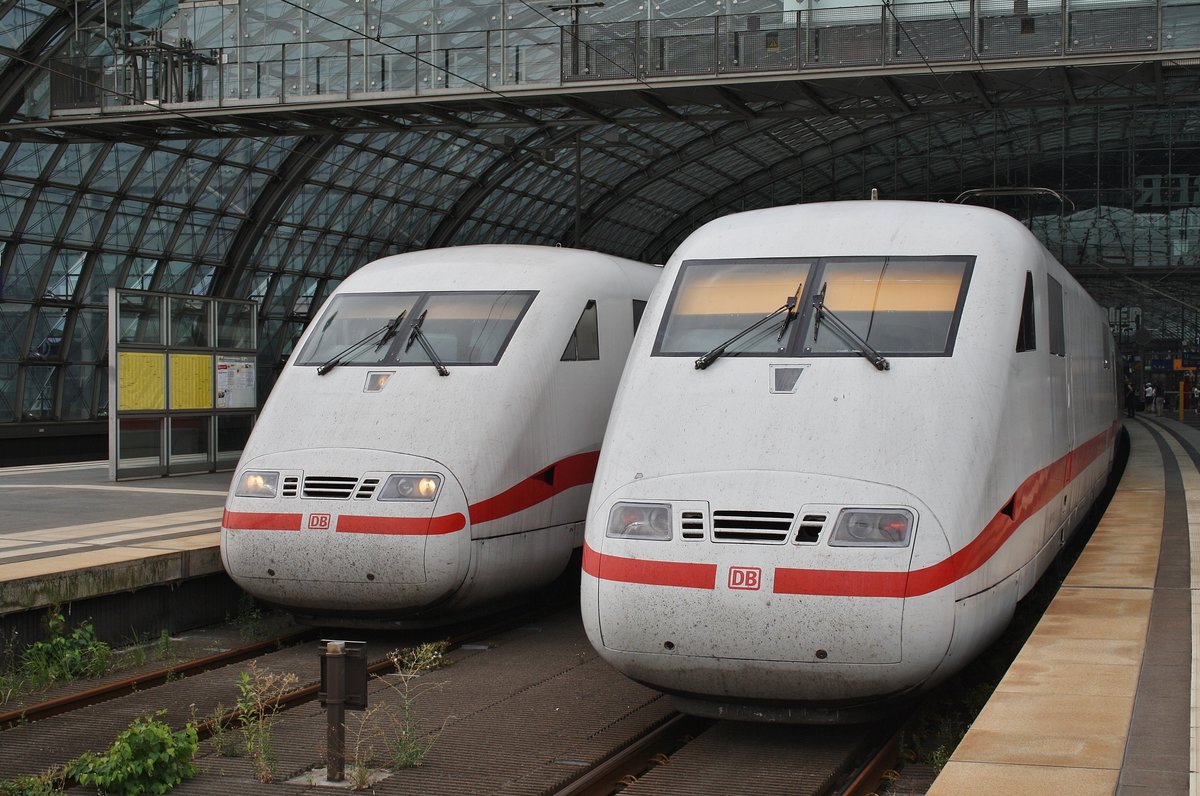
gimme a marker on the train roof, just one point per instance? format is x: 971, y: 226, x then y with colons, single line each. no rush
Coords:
x: 857, y: 228
x: 499, y: 266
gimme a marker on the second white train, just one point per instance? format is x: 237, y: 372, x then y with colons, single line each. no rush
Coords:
x: 849, y: 438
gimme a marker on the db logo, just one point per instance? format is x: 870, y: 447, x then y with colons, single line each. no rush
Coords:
x: 319, y: 522
x: 748, y: 578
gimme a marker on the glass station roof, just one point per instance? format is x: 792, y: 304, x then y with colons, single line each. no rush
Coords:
x: 265, y: 149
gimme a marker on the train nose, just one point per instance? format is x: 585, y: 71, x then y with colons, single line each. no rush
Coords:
x: 335, y: 530
x: 762, y: 571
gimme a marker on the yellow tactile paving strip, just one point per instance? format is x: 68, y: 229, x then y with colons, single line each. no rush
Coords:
x: 1059, y: 720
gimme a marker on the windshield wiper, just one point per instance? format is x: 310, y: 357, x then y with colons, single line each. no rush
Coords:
x: 789, y: 307
x: 793, y: 305
x: 336, y: 359
x: 391, y: 328
x: 870, y: 354
x: 419, y: 336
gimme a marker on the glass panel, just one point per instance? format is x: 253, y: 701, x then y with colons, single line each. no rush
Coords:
x: 355, y: 324
x: 232, y: 433
x: 24, y: 272
x: 13, y: 323
x: 139, y: 442
x: 106, y: 273
x: 38, y: 401
x: 8, y: 392
x: 139, y: 319
x: 899, y: 305
x: 64, y: 276
x: 141, y: 274
x: 713, y: 302
x: 77, y: 392
x: 89, y: 340
x: 235, y: 325
x: 190, y: 326
x: 48, y: 334
x: 189, y: 440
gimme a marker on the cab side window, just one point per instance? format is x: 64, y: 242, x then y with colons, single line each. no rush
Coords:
x: 1054, y: 297
x: 585, y: 339
x: 1026, y: 337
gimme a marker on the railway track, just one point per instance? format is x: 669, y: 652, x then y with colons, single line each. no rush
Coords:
x: 525, y: 707
x: 157, y: 677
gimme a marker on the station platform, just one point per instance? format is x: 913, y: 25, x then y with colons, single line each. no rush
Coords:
x: 1095, y: 701
x: 68, y: 534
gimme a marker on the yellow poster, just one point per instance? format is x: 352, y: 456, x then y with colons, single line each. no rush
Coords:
x: 191, y: 381
x: 141, y: 381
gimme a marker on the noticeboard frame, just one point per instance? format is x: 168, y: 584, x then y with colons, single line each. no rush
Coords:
x: 182, y: 372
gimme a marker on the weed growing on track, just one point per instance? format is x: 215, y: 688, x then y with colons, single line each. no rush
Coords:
x: 49, y: 783
x: 259, y: 694
x: 62, y: 658
x: 250, y: 621
x: 389, y: 734
x: 149, y: 757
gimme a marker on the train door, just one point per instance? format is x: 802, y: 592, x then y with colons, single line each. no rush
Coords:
x: 1062, y: 430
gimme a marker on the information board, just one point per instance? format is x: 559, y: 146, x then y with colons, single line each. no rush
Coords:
x: 191, y: 381
x: 237, y: 386
x: 142, y: 381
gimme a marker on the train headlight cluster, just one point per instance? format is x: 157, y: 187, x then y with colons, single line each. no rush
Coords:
x: 258, y: 483
x: 640, y: 521
x: 419, y: 486
x: 872, y: 528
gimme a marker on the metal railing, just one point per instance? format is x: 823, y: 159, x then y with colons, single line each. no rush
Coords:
x: 946, y: 31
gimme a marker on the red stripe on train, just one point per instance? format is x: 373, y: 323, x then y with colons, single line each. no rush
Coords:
x: 260, y: 521
x: 402, y: 526
x: 570, y: 472
x: 652, y: 573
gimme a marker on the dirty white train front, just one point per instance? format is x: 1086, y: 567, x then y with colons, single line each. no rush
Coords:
x: 429, y: 448
x: 849, y: 438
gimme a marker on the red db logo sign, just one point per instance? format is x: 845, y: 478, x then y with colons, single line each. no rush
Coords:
x: 319, y: 522
x: 747, y: 578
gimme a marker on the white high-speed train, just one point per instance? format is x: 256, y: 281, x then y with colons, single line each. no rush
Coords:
x: 849, y: 438
x: 429, y: 449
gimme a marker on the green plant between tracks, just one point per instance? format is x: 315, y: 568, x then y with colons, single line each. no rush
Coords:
x: 149, y: 757
x: 259, y: 695
x: 62, y: 657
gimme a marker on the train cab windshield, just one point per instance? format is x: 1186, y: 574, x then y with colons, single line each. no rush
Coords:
x: 461, y: 328
x: 897, y: 305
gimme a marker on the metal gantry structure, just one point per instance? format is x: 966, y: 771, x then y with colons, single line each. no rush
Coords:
x: 264, y: 149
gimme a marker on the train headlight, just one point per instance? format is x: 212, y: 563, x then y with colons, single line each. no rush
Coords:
x: 420, y: 486
x: 872, y: 528
x: 258, y: 483
x: 640, y: 521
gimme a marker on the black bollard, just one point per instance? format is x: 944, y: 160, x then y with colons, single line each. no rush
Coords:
x: 335, y: 710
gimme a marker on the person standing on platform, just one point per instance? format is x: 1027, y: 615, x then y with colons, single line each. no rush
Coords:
x: 1196, y: 398
x: 1148, y: 398
x: 1130, y: 398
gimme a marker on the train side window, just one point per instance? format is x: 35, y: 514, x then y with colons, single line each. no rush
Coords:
x: 1026, y: 336
x: 639, y: 307
x: 1054, y: 298
x: 585, y: 339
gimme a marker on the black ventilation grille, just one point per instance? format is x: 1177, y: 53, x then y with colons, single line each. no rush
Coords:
x: 366, y: 490
x: 330, y: 487
x: 810, y: 527
x: 291, y: 485
x: 762, y: 527
x: 691, y: 524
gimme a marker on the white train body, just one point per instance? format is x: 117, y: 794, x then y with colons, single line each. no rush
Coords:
x: 381, y: 490
x: 792, y: 534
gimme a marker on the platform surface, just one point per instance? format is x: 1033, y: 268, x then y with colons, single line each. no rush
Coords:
x: 1102, y: 697
x: 68, y: 533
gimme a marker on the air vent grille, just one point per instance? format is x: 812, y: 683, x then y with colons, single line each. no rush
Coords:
x: 291, y: 485
x: 366, y: 490
x: 762, y: 527
x: 330, y: 487
x: 810, y: 528
x: 692, y: 525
